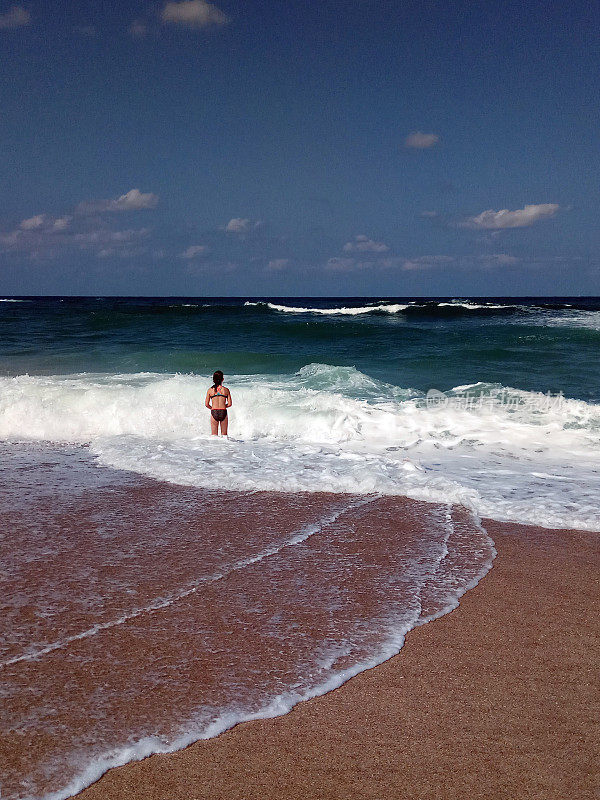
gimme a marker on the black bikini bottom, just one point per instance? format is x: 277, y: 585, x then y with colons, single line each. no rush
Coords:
x: 219, y: 414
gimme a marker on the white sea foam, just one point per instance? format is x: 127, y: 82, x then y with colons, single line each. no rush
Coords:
x: 388, y: 308
x: 381, y: 307
x: 473, y: 306
x: 229, y: 718
x: 576, y: 318
x: 515, y: 456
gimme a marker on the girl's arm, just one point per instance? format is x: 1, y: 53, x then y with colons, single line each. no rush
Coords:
x: 207, y: 401
x: 228, y: 402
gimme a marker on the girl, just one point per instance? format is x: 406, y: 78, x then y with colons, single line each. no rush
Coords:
x: 220, y: 398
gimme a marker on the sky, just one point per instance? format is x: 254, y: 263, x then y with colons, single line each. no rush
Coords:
x: 334, y: 147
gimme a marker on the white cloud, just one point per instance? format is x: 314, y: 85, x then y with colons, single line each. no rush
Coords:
x: 427, y: 262
x: 33, y: 223
x: 62, y: 223
x: 421, y: 141
x: 277, y: 264
x: 241, y: 225
x: 193, y: 14
x: 15, y: 17
x: 193, y: 251
x: 105, y: 243
x: 44, y: 222
x: 362, y: 244
x: 53, y: 236
x: 45, y: 237
x: 238, y: 225
x: 134, y: 200
x: 501, y: 220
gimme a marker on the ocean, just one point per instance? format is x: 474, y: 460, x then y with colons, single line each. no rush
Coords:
x: 160, y: 585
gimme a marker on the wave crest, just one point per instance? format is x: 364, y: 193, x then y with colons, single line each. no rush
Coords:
x: 348, y: 311
x: 413, y: 307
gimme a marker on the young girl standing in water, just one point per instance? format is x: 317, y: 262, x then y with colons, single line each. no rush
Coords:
x: 218, y: 400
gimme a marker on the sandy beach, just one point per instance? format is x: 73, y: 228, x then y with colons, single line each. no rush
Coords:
x: 498, y: 699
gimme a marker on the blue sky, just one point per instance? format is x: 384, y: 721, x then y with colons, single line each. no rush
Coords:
x: 294, y: 148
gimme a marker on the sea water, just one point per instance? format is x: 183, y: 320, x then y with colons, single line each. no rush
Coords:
x: 491, y: 403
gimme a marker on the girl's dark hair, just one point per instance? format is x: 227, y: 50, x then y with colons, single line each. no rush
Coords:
x: 218, y: 378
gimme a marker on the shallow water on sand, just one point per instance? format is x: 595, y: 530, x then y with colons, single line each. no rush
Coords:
x: 139, y: 616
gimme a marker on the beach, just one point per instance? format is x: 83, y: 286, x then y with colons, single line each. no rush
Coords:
x: 347, y: 597
x: 512, y: 710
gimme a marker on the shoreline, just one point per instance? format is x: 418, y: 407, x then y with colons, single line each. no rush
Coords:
x: 494, y: 699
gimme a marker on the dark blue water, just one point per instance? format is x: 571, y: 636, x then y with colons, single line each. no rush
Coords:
x: 535, y: 344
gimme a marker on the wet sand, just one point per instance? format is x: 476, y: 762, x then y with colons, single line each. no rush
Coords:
x: 134, y: 609
x: 498, y: 699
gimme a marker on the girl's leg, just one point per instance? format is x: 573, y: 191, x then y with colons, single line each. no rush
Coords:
x: 224, y: 426
x: 214, y: 426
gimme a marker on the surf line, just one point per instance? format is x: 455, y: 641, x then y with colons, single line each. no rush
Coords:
x: 451, y: 531
x: 161, y: 603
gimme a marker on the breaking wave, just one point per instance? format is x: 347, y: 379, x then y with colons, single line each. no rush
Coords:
x: 506, y: 453
x: 412, y: 307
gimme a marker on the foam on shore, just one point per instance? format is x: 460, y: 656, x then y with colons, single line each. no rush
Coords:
x: 505, y: 453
